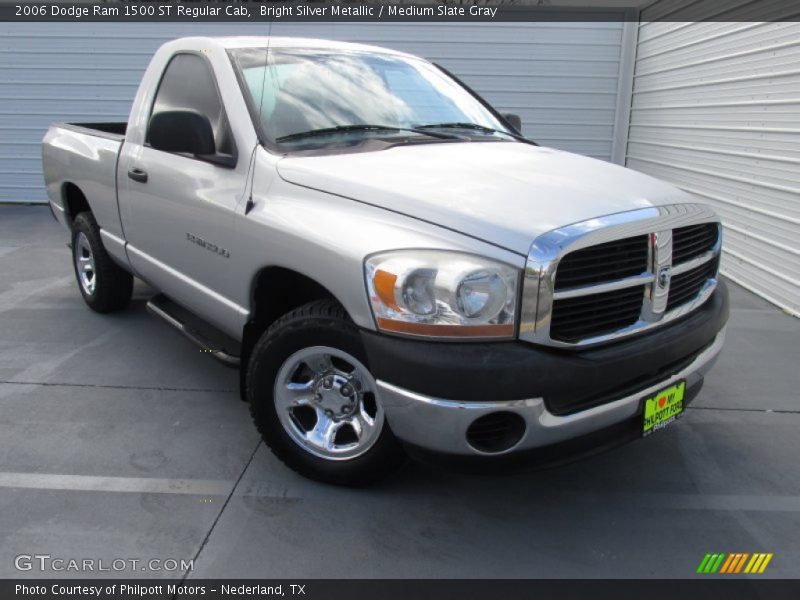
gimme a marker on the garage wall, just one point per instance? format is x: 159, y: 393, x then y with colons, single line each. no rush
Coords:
x: 716, y: 110
x: 561, y: 77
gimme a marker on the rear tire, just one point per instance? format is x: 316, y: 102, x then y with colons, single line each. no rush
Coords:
x: 104, y: 285
x: 315, y: 402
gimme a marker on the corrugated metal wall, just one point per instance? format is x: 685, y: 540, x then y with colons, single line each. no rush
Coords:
x: 716, y: 110
x: 561, y: 77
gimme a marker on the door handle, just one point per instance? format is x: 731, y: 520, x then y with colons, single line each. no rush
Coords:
x: 138, y: 174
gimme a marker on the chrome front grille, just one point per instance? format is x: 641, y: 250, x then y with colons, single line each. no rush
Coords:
x: 615, y: 276
x: 686, y: 286
x: 692, y: 241
x: 604, y: 262
x: 587, y: 316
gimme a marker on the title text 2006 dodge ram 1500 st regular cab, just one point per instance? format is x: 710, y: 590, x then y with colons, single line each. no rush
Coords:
x: 392, y: 265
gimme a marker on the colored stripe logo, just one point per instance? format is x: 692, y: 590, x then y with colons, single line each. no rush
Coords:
x: 737, y: 562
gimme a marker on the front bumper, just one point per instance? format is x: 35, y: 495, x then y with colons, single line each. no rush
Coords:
x: 623, y: 374
x: 441, y: 425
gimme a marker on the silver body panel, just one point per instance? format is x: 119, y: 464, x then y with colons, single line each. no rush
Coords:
x: 327, y: 237
x: 78, y: 156
x: 502, y: 192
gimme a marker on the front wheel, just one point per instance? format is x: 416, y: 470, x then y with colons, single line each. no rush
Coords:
x: 315, y: 402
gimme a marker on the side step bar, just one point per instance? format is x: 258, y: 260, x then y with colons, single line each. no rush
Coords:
x: 214, y: 342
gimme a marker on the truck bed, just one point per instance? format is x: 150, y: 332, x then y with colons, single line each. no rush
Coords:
x: 112, y: 130
x: 83, y: 156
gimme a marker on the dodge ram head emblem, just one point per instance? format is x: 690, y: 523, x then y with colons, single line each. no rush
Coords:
x: 664, y: 275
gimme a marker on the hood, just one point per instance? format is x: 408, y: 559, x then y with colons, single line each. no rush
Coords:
x: 504, y: 193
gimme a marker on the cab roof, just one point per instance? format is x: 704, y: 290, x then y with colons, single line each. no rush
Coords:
x: 282, y: 42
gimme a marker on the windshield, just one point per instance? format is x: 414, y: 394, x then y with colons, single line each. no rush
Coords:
x: 303, y: 90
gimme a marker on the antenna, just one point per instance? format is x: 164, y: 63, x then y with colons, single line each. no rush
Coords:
x: 250, y: 204
x: 264, y: 76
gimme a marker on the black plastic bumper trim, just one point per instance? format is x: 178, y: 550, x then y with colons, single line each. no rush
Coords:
x: 568, y: 380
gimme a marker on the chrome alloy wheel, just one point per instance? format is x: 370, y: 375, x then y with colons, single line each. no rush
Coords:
x: 326, y: 402
x: 84, y: 263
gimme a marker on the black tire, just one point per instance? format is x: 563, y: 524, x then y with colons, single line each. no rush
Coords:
x: 319, y: 323
x: 113, y: 286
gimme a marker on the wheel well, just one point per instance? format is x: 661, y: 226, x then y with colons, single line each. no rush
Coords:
x: 74, y: 201
x: 276, y: 291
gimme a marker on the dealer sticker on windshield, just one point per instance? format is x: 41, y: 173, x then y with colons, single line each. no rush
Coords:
x: 663, y: 408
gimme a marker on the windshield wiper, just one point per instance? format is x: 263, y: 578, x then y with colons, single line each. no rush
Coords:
x: 346, y: 128
x: 474, y: 127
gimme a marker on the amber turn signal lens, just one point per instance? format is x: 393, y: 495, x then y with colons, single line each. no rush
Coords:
x: 384, y: 286
x: 505, y: 330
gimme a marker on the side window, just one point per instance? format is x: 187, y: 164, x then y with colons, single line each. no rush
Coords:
x: 188, y: 84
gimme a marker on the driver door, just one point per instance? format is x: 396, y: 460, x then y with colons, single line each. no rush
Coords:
x: 179, y: 209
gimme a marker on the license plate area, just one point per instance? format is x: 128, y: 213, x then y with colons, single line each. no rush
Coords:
x: 662, y: 408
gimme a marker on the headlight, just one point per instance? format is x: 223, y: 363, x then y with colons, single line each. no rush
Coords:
x: 437, y: 293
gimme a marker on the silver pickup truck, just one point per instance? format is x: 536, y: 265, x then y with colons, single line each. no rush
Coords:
x: 393, y: 266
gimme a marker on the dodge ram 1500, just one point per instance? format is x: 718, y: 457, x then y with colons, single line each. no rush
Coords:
x: 389, y: 262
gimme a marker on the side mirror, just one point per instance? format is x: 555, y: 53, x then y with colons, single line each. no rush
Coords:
x: 514, y: 121
x: 181, y: 131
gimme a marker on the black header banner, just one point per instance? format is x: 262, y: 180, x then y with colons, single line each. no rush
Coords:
x: 477, y: 11
x: 331, y: 11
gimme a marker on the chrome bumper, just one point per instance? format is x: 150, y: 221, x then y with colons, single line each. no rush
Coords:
x: 441, y: 425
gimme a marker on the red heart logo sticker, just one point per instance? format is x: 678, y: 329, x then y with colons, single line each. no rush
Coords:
x: 662, y: 401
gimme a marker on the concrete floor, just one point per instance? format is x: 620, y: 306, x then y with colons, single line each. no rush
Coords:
x: 119, y: 439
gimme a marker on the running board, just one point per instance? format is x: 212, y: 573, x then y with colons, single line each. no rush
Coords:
x: 212, y: 341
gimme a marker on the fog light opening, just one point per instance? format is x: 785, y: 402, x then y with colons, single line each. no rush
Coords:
x: 496, y: 432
